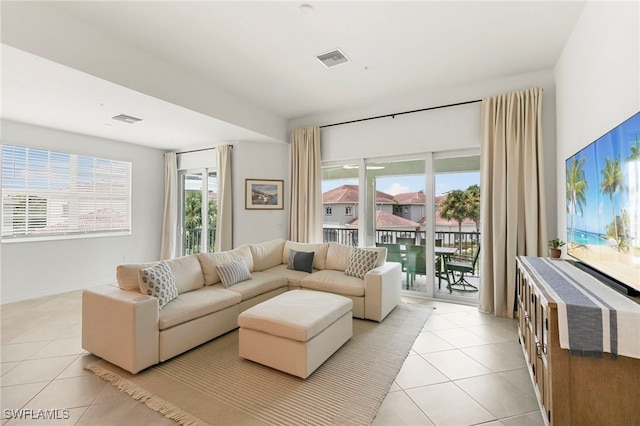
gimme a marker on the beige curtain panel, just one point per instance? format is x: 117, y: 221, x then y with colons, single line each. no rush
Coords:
x: 513, y: 200
x: 305, y: 214
x: 170, y: 217
x: 224, y: 225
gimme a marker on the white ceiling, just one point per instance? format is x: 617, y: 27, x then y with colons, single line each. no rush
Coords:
x: 264, y: 53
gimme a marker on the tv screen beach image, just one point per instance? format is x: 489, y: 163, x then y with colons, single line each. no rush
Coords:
x: 603, y: 203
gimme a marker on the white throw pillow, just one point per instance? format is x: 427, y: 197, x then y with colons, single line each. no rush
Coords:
x: 233, y: 272
x: 158, y: 282
x: 361, y: 261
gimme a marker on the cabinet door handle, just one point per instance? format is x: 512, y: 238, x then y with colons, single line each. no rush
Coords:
x: 540, y: 349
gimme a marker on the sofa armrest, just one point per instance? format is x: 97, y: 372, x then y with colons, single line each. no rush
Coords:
x: 382, y: 286
x: 121, y: 327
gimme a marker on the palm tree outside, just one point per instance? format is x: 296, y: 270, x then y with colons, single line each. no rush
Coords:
x: 460, y: 205
x: 193, y: 210
x: 576, y: 187
x: 193, y: 220
x: 612, y: 182
x: 473, y: 204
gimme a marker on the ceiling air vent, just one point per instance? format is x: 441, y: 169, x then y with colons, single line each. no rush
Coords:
x: 126, y: 118
x: 333, y: 58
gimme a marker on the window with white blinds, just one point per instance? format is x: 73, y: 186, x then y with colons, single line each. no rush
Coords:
x: 50, y: 195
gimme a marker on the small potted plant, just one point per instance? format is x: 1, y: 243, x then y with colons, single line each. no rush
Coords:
x: 555, y: 248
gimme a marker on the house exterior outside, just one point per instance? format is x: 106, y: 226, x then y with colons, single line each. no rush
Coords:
x: 340, y: 205
x: 400, y: 212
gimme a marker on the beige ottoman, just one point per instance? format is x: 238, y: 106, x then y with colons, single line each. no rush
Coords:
x: 296, y: 331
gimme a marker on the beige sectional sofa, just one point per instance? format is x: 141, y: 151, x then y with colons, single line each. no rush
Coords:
x: 126, y: 327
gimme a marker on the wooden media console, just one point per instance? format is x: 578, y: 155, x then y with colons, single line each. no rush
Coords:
x: 573, y: 389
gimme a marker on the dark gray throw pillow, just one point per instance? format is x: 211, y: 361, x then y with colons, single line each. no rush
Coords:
x: 300, y: 261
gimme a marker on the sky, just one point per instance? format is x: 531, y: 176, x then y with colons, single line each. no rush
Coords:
x: 394, y: 185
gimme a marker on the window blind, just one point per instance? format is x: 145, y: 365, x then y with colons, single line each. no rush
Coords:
x: 48, y: 195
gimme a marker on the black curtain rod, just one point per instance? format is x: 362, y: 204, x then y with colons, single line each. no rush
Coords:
x: 198, y: 150
x: 401, y: 113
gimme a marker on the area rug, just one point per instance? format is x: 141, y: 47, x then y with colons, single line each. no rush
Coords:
x: 212, y: 385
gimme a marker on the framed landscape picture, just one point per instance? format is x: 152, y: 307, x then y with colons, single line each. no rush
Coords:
x: 263, y: 194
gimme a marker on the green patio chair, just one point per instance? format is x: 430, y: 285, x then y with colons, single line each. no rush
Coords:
x: 415, y: 263
x: 394, y: 253
x: 463, y: 266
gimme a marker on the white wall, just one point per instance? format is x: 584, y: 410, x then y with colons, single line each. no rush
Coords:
x: 254, y: 160
x: 597, y: 82
x: 31, y: 269
x: 437, y: 130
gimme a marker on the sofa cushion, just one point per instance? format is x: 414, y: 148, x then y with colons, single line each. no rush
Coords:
x: 338, y: 256
x: 334, y: 282
x: 158, y: 281
x: 382, y: 255
x: 319, y: 257
x: 208, y: 262
x: 196, y: 304
x: 260, y: 283
x: 267, y: 255
x: 300, y: 261
x: 127, y: 275
x: 233, y: 272
x: 187, y: 273
x: 361, y: 261
x: 293, y: 277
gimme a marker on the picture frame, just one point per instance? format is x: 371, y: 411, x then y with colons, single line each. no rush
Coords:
x: 264, y: 194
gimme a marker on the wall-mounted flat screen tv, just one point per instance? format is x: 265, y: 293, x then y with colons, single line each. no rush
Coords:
x: 603, y: 205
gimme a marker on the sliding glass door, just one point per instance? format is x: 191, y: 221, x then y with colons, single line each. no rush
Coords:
x: 457, y: 226
x: 396, y: 196
x: 407, y: 205
x: 198, y: 234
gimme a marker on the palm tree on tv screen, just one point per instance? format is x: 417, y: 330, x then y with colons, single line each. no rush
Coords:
x: 576, y: 187
x: 635, y: 156
x: 610, y: 184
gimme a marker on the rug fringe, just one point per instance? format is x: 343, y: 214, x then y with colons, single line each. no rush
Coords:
x: 139, y: 394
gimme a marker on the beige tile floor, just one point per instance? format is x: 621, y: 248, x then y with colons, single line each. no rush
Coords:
x: 465, y: 368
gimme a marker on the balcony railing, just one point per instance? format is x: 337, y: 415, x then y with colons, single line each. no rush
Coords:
x: 465, y: 241
x: 192, y: 238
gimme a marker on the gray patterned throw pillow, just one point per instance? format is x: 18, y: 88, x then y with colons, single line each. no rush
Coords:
x: 158, y: 282
x: 360, y: 262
